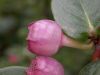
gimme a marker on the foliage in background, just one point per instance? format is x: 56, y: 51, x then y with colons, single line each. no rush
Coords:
x: 14, y: 18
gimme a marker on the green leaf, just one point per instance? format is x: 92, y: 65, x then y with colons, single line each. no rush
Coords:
x: 91, y: 69
x: 15, y: 70
x: 77, y: 16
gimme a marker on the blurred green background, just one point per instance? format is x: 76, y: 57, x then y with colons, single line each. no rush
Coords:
x: 15, y: 15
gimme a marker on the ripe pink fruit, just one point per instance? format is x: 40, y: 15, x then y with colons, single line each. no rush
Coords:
x: 45, y: 66
x: 44, y: 37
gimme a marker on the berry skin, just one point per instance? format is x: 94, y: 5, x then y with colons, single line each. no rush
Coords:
x: 45, y: 66
x: 44, y: 37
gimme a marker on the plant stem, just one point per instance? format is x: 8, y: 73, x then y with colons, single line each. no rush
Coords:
x: 69, y: 42
x: 96, y: 54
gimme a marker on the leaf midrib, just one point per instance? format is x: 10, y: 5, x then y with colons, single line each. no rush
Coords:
x: 91, y: 27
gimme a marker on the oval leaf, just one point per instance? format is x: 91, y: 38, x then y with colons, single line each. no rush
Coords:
x: 15, y: 70
x: 91, y: 69
x: 77, y: 17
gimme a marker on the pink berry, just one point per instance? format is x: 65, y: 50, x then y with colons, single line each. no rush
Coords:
x: 13, y: 59
x: 45, y: 66
x: 44, y: 37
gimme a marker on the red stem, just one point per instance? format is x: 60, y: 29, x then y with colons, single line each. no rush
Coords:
x: 96, y: 54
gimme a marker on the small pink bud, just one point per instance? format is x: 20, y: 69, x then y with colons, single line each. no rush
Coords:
x: 44, y: 37
x: 45, y: 66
